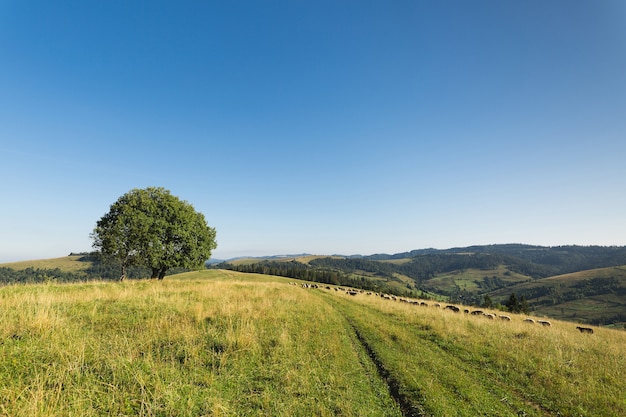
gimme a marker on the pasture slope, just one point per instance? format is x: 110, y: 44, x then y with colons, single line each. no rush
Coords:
x: 222, y: 343
x: 71, y: 263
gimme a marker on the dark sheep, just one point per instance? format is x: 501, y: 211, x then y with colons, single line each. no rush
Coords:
x: 585, y: 329
x: 477, y: 312
x: 453, y: 308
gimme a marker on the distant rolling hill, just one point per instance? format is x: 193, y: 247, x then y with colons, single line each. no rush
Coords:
x: 596, y: 296
x: 578, y: 283
x: 72, y: 263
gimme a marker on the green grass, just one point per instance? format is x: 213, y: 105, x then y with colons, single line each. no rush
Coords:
x: 221, y: 343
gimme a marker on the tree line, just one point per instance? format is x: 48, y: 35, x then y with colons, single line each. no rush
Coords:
x: 299, y: 270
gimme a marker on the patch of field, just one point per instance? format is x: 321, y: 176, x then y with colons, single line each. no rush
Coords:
x: 618, y: 272
x: 65, y: 263
x: 468, y: 279
x: 309, y: 258
x: 583, y: 310
x: 397, y: 261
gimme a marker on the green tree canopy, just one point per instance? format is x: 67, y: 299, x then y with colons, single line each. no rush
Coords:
x: 153, y: 228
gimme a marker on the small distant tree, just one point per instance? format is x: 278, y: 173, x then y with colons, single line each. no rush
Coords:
x: 513, y: 304
x: 523, y: 305
x: 487, y: 303
x: 153, y: 228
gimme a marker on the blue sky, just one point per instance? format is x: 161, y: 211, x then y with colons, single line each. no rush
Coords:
x: 316, y: 126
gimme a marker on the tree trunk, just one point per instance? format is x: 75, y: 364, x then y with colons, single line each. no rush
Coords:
x: 155, y: 273
x: 162, y: 272
x: 123, y: 277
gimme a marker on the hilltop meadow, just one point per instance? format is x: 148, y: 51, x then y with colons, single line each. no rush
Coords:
x: 225, y: 343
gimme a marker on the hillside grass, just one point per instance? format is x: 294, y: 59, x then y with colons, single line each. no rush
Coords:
x: 64, y: 263
x: 222, y: 343
x: 200, y: 344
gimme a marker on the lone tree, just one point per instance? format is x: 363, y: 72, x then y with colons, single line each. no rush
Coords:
x: 153, y: 228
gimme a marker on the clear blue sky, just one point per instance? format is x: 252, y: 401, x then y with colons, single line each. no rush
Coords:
x: 316, y: 126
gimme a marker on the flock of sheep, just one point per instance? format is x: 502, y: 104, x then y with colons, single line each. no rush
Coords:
x: 453, y: 308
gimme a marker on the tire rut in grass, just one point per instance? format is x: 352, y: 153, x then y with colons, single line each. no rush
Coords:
x: 407, y: 407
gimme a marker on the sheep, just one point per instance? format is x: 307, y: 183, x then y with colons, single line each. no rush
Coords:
x: 528, y: 320
x: 585, y: 329
x: 505, y: 317
x: 477, y: 312
x: 466, y: 311
x: 490, y: 316
x: 453, y: 308
x: 544, y: 323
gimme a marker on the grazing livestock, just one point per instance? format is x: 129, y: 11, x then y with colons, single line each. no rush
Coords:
x: 490, y: 316
x: 423, y: 304
x: 453, y: 308
x: 505, y: 317
x: 531, y: 321
x: 437, y: 305
x: 477, y: 313
x: 466, y: 311
x: 585, y: 329
x: 352, y: 292
x: 544, y: 323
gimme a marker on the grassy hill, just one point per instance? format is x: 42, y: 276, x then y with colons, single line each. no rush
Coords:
x: 72, y: 263
x: 223, y: 343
